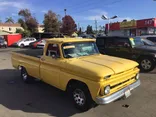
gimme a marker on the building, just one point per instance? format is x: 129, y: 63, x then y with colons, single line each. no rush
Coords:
x: 40, y: 28
x: 9, y: 28
x: 133, y: 27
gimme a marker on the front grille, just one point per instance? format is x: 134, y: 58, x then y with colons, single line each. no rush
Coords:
x: 121, y: 83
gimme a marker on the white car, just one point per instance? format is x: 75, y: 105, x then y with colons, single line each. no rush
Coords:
x: 25, y: 42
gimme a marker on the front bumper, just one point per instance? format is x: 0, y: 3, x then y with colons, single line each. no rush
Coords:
x: 117, y: 95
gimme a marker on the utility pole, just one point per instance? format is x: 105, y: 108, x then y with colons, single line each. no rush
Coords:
x: 78, y: 26
x: 65, y: 12
x: 96, y: 25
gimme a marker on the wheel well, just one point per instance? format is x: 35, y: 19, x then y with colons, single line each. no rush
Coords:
x: 72, y: 82
x: 142, y: 56
x: 21, y: 67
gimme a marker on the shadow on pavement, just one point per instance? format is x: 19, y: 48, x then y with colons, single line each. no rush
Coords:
x: 33, y: 98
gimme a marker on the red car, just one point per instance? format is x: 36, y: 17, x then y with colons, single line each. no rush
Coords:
x: 34, y: 44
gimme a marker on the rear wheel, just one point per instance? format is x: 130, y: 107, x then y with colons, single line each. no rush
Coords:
x: 147, y: 64
x: 22, y: 46
x: 25, y: 77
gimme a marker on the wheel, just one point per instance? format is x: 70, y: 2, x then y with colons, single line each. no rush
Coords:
x: 22, y: 46
x: 147, y: 64
x: 25, y: 77
x: 81, y: 97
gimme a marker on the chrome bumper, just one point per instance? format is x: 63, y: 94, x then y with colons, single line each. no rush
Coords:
x: 117, y: 95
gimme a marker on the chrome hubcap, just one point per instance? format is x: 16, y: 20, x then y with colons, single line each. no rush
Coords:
x: 146, y: 64
x: 79, y: 97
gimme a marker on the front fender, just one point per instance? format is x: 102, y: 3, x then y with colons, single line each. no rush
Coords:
x: 93, y: 86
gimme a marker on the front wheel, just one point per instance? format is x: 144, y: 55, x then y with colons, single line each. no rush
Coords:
x: 147, y: 64
x: 81, y: 97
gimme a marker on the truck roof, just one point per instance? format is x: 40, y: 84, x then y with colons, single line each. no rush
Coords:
x: 62, y: 40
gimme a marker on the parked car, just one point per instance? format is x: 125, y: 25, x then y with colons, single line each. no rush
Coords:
x: 3, y: 43
x: 24, y: 42
x: 129, y: 48
x: 34, y: 44
x: 41, y: 44
x: 150, y: 37
x: 86, y: 36
x: 77, y: 67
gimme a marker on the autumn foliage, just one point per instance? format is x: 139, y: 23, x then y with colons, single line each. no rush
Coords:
x: 68, y: 25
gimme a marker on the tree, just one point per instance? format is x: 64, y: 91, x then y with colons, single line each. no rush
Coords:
x: 101, y: 29
x: 80, y: 31
x: 25, y: 14
x: 51, y: 22
x: 27, y: 21
x: 25, y: 33
x: 68, y: 25
x: 23, y: 24
x: 18, y: 30
x: 32, y: 24
x: 89, y: 30
x: 0, y: 21
x: 9, y: 20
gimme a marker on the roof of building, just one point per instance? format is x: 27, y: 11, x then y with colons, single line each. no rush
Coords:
x: 10, y: 25
x: 61, y: 40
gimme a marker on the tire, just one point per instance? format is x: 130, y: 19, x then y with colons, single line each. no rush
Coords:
x: 146, y: 64
x: 22, y: 46
x: 25, y: 77
x: 81, y: 97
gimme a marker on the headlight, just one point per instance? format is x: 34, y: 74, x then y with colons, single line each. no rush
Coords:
x: 107, y: 90
x: 137, y: 76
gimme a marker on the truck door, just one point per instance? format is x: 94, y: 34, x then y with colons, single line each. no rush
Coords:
x: 50, y: 65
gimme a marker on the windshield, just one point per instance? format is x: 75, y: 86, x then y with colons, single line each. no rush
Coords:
x: 148, y: 42
x: 77, y: 49
x: 136, y: 41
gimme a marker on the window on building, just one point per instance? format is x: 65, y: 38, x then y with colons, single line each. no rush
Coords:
x: 9, y: 29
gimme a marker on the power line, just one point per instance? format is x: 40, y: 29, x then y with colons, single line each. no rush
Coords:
x: 83, y: 10
x: 89, y: 2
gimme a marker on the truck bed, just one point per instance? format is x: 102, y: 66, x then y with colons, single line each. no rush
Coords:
x: 31, y: 52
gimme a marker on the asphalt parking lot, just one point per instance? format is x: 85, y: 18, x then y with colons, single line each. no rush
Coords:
x: 41, y: 100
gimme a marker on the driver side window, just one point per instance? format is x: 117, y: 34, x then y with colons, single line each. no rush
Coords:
x: 53, y: 51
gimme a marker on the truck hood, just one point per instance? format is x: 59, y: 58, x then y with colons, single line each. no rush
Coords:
x: 99, y: 66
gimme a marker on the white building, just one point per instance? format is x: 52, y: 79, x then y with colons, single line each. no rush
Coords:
x: 10, y: 28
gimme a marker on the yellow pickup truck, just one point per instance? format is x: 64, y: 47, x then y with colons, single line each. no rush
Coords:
x: 76, y: 66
